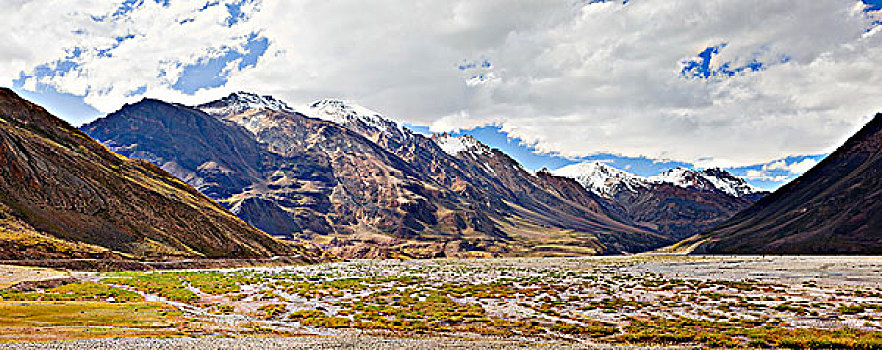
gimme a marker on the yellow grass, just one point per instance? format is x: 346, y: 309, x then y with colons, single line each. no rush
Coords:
x: 43, y: 321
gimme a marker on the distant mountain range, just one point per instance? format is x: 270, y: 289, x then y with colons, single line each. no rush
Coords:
x: 359, y: 184
x: 834, y: 208
x: 362, y: 185
x: 678, y: 203
x: 64, y: 195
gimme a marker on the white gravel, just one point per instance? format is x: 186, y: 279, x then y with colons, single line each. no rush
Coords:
x: 246, y: 343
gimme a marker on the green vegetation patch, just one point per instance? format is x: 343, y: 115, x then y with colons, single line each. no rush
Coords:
x: 86, y: 291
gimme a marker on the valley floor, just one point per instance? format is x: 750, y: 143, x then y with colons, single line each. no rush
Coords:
x: 606, y: 302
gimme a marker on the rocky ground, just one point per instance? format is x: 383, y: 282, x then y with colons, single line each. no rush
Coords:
x: 704, y: 301
x: 249, y: 343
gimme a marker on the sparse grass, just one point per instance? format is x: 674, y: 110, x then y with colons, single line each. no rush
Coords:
x: 601, y: 300
x: 73, y: 320
x: 86, y: 291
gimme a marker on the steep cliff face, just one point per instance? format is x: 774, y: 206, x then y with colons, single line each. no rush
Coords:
x: 834, y: 208
x: 64, y: 195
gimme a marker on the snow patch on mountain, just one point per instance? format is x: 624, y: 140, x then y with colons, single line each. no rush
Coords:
x: 602, y: 179
x: 682, y: 177
x: 454, y: 145
x: 239, y: 102
x: 606, y: 181
x: 350, y: 114
x: 708, y: 179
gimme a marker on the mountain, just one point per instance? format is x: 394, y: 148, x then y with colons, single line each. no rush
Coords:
x: 64, y: 195
x: 496, y: 184
x: 223, y: 160
x: 358, y: 183
x: 834, y: 208
x: 545, y: 200
x: 714, y: 179
x: 678, y: 203
x: 602, y: 179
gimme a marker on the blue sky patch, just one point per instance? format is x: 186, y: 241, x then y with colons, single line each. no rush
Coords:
x: 53, y: 69
x: 872, y: 5
x: 235, y: 11
x: 119, y: 40
x: 125, y: 8
x: 209, y: 73
x: 700, y: 66
x: 69, y: 107
x: 774, y: 178
x: 73, y: 53
x: 467, y: 65
x: 136, y: 92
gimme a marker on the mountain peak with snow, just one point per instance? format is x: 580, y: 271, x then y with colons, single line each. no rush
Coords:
x: 241, y: 101
x: 340, y: 111
x: 606, y: 181
x: 602, y: 179
x: 454, y: 145
x: 355, y: 117
x: 683, y: 177
x: 708, y: 179
x: 731, y: 184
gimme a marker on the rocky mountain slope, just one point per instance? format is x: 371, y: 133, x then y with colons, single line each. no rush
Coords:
x: 678, y: 203
x: 350, y: 179
x: 63, y: 195
x: 834, y: 208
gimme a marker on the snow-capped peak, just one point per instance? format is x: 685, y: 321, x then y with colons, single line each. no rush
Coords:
x: 682, y: 177
x: 454, y: 145
x: 602, y: 179
x: 606, y: 181
x: 352, y: 115
x: 340, y: 111
x: 709, y: 179
x: 239, y: 102
x: 726, y: 182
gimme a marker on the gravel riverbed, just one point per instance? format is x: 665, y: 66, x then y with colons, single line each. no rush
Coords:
x: 247, y: 343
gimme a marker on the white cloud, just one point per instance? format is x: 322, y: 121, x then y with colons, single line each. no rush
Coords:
x: 570, y: 78
x: 108, y: 70
x: 793, y: 168
x: 762, y: 175
x: 780, y: 170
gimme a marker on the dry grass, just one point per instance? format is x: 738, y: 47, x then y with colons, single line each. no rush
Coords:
x: 10, y: 275
x: 44, y: 321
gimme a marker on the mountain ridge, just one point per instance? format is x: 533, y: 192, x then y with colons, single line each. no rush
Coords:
x: 834, y: 208
x: 679, y: 202
x: 379, y: 190
x: 64, y: 195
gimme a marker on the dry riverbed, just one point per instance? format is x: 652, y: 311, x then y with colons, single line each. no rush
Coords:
x: 609, y: 302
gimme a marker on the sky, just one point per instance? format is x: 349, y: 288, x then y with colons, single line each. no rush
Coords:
x: 764, y: 88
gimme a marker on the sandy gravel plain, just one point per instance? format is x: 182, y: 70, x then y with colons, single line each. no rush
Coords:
x: 550, y: 303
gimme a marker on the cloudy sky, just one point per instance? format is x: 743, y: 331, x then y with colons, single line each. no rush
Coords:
x: 765, y: 88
